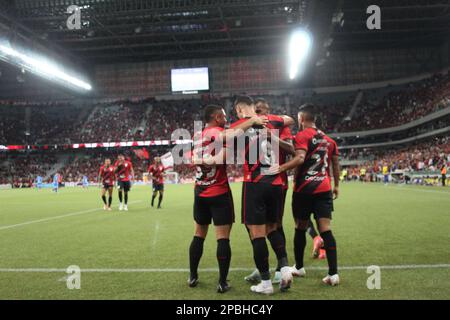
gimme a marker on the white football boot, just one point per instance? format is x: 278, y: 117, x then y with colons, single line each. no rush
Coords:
x: 264, y: 287
x: 120, y: 206
x: 125, y: 207
x: 298, y: 272
x: 331, y: 280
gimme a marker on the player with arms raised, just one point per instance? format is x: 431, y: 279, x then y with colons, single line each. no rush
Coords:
x: 124, y: 171
x: 107, y: 177
x: 315, y: 151
x: 156, y: 172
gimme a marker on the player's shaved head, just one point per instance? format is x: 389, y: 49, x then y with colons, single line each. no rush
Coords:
x: 262, y: 106
x: 308, y: 112
x: 210, y: 112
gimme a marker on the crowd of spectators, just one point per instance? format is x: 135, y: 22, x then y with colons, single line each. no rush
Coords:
x: 24, y: 168
x: 151, y: 119
x: 401, y: 105
x: 426, y: 156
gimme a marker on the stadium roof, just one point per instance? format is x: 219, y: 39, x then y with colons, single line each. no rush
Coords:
x: 130, y: 30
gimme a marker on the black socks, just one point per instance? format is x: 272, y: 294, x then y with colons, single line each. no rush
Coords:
x: 278, y: 243
x: 311, y: 230
x: 153, y: 199
x: 223, y: 258
x: 329, y: 244
x: 120, y: 196
x: 195, y: 253
x: 109, y: 201
x: 160, y: 200
x: 104, y: 199
x: 261, y: 256
x: 126, y: 197
x: 299, y: 247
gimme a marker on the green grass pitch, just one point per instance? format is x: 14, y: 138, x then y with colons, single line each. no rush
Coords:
x: 403, y: 226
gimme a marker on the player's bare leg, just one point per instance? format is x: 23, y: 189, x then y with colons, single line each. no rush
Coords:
x: 196, y: 252
x: 223, y: 256
x: 330, y: 247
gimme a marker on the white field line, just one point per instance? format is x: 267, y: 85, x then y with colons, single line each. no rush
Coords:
x: 54, y: 218
x: 164, y: 270
x: 155, y: 235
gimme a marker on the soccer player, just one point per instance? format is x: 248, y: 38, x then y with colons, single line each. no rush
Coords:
x: 213, y: 199
x: 107, y: 176
x: 124, y: 171
x: 262, y: 196
x: 39, y: 180
x: 85, y: 182
x: 55, y: 182
x: 156, y: 172
x: 262, y: 107
x: 315, y: 151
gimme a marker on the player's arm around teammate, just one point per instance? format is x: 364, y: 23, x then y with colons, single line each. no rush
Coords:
x: 312, y: 189
x: 213, y: 201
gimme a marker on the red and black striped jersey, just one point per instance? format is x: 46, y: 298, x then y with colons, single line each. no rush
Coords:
x: 107, y: 174
x: 264, y: 156
x: 123, y: 170
x: 313, y: 176
x: 210, y: 181
x: 157, y: 171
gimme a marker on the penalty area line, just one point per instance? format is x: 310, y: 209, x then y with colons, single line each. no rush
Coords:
x: 55, y: 217
x: 163, y: 270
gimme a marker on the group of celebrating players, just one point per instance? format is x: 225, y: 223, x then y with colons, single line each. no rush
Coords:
x: 123, y: 171
x: 311, y: 153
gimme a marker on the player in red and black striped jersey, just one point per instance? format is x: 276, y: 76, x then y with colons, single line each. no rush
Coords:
x: 212, y: 195
x: 262, y: 195
x: 156, y: 172
x: 313, y: 194
x: 107, y: 177
x: 286, y: 148
x: 125, y: 173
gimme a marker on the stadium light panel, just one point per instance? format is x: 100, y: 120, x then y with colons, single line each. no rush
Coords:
x: 300, y: 44
x: 41, y: 67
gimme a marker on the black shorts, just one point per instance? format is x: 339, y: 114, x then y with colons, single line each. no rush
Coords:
x: 219, y: 209
x: 261, y: 203
x: 320, y: 204
x: 124, y: 185
x: 107, y: 186
x: 158, y: 187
